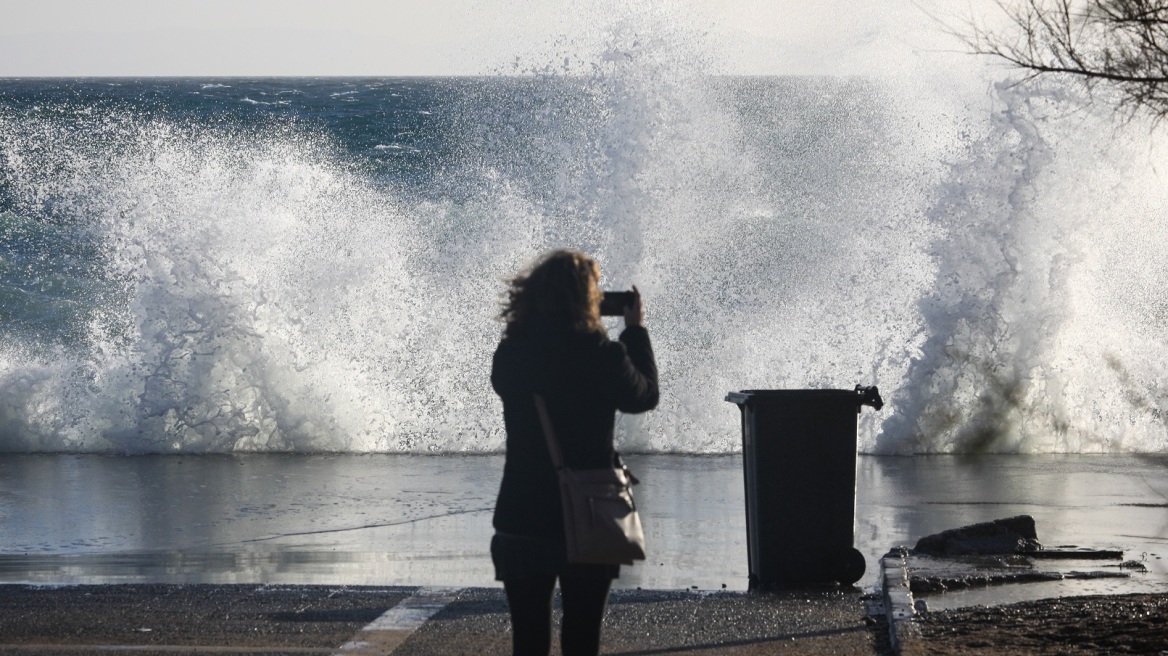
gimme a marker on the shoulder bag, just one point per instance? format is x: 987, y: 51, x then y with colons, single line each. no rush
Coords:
x: 601, y: 524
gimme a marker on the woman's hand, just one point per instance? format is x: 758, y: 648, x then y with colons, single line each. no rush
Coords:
x: 635, y: 312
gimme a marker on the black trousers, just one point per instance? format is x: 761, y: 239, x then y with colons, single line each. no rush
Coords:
x: 530, y: 601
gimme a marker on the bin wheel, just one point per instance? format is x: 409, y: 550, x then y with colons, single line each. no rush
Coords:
x: 849, y: 566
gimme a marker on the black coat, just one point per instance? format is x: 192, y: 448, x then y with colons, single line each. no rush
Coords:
x: 584, y: 378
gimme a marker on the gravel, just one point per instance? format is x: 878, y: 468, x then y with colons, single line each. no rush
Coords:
x: 1100, y: 624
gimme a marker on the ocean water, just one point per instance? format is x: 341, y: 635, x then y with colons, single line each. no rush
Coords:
x: 279, y: 297
x: 202, y: 266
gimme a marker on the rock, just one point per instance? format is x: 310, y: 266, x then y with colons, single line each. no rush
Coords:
x: 1001, y: 536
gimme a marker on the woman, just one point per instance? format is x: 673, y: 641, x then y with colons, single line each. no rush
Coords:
x: 555, y: 345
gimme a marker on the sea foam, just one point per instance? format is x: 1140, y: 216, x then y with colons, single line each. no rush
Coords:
x: 995, y: 270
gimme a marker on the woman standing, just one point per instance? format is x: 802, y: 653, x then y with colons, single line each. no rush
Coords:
x: 555, y: 345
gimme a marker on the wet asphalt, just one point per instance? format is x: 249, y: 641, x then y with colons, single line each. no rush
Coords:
x: 259, y: 619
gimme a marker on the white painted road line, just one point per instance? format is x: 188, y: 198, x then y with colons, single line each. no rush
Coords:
x: 384, y: 634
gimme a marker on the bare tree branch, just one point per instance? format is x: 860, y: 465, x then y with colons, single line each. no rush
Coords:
x: 1120, y: 46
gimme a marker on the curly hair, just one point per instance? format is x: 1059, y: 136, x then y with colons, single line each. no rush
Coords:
x: 558, y: 293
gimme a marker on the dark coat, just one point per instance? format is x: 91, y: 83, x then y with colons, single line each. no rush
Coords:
x: 584, y: 378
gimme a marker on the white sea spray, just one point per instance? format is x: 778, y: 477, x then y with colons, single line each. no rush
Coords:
x: 996, y: 268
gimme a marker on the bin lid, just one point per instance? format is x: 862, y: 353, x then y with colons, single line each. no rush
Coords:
x: 861, y: 395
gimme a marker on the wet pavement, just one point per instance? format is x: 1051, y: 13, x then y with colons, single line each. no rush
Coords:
x: 248, y: 619
x: 303, y: 554
x: 384, y: 520
x: 91, y: 619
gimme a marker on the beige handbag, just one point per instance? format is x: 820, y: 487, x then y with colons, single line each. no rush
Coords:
x: 601, y: 524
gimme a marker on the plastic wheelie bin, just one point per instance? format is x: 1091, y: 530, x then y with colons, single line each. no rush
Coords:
x: 799, y: 467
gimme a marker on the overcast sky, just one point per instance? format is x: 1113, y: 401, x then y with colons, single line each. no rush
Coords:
x: 453, y: 37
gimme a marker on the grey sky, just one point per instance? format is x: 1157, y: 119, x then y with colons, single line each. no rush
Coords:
x: 435, y: 37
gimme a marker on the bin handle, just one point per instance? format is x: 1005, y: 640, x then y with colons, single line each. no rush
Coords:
x: 869, y: 395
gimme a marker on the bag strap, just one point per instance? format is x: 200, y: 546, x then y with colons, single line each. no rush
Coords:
x: 549, y: 432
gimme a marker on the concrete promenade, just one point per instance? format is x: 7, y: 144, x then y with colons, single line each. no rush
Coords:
x: 258, y: 619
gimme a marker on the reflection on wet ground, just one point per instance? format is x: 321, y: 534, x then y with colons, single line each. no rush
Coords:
x: 426, y: 520
x: 1100, y: 501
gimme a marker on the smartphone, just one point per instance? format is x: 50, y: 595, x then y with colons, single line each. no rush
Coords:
x: 614, y: 303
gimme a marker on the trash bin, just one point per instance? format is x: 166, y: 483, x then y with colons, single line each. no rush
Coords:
x: 799, y: 466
